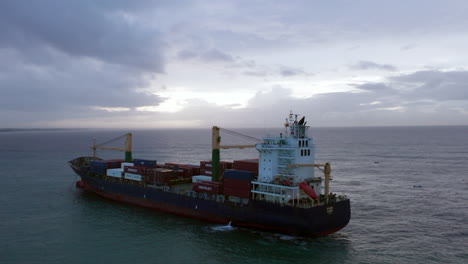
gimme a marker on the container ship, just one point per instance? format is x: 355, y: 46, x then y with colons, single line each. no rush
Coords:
x: 283, y: 191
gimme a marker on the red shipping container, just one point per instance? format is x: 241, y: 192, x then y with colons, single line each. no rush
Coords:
x: 235, y: 183
x: 205, y: 165
x: 169, y: 164
x: 226, y: 165
x: 135, y: 169
x: 223, y: 165
x: 247, y: 165
x: 113, y: 163
x: 195, y: 169
x: 159, y: 176
x: 209, y: 172
x: 186, y: 172
x: 182, y: 170
x: 206, y: 172
x: 207, y: 186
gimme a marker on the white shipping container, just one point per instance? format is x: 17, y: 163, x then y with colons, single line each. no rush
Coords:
x: 199, y: 178
x: 133, y: 176
x: 114, y: 173
x: 126, y: 164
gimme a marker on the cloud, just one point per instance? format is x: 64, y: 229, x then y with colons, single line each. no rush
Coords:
x: 381, y: 88
x: 408, y: 47
x: 434, y: 85
x: 214, y: 55
x: 208, y: 56
x: 290, y: 71
x: 75, y: 84
x: 65, y: 59
x: 369, y: 65
x: 82, y: 29
x: 187, y: 55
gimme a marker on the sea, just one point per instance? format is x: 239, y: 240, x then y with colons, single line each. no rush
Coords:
x: 408, y: 188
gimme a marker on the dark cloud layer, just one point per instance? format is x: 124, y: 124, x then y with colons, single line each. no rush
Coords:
x: 63, y: 58
x: 369, y: 65
x: 82, y: 29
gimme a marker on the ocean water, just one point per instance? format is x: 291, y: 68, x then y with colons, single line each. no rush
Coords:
x: 408, y: 188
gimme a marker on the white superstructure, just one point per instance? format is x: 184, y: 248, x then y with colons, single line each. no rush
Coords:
x: 286, y: 161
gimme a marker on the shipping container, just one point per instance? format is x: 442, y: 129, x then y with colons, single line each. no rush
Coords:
x: 114, y: 163
x: 171, y: 164
x: 235, y: 183
x: 239, y: 174
x: 195, y: 168
x: 116, y: 173
x: 98, y: 167
x: 226, y: 165
x: 223, y: 165
x: 206, y: 172
x: 160, y: 176
x: 247, y: 165
x: 134, y: 177
x: 123, y: 164
x: 99, y: 163
x: 135, y: 169
x: 186, y: 172
x: 144, y: 163
x: 205, y: 165
x: 183, y: 170
x: 199, y: 178
x: 207, y: 186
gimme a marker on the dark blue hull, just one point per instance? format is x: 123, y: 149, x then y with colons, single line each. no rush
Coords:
x: 314, y: 221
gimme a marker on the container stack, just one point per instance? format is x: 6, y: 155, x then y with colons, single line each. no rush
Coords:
x: 160, y: 176
x: 100, y: 166
x: 207, y: 187
x: 237, y: 183
x: 247, y: 165
x: 145, y: 163
x: 137, y: 170
x: 206, y: 167
x: 183, y: 170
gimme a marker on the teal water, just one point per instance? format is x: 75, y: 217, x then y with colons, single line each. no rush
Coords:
x: 408, y: 188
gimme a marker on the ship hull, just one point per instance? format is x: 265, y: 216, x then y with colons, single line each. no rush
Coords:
x: 315, y: 221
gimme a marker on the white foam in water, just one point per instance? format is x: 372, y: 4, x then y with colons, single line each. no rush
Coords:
x: 227, y: 227
x: 285, y: 237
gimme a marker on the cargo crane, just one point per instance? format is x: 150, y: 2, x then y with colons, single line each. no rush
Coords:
x: 127, y: 149
x: 216, y: 146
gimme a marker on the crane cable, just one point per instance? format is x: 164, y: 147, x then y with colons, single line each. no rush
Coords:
x: 112, y: 140
x: 240, y: 135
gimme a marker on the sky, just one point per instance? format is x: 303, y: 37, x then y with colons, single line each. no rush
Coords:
x: 243, y: 63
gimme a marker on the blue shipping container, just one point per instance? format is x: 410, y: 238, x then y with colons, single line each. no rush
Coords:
x: 239, y: 175
x: 144, y: 163
x: 99, y: 163
x: 98, y: 166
